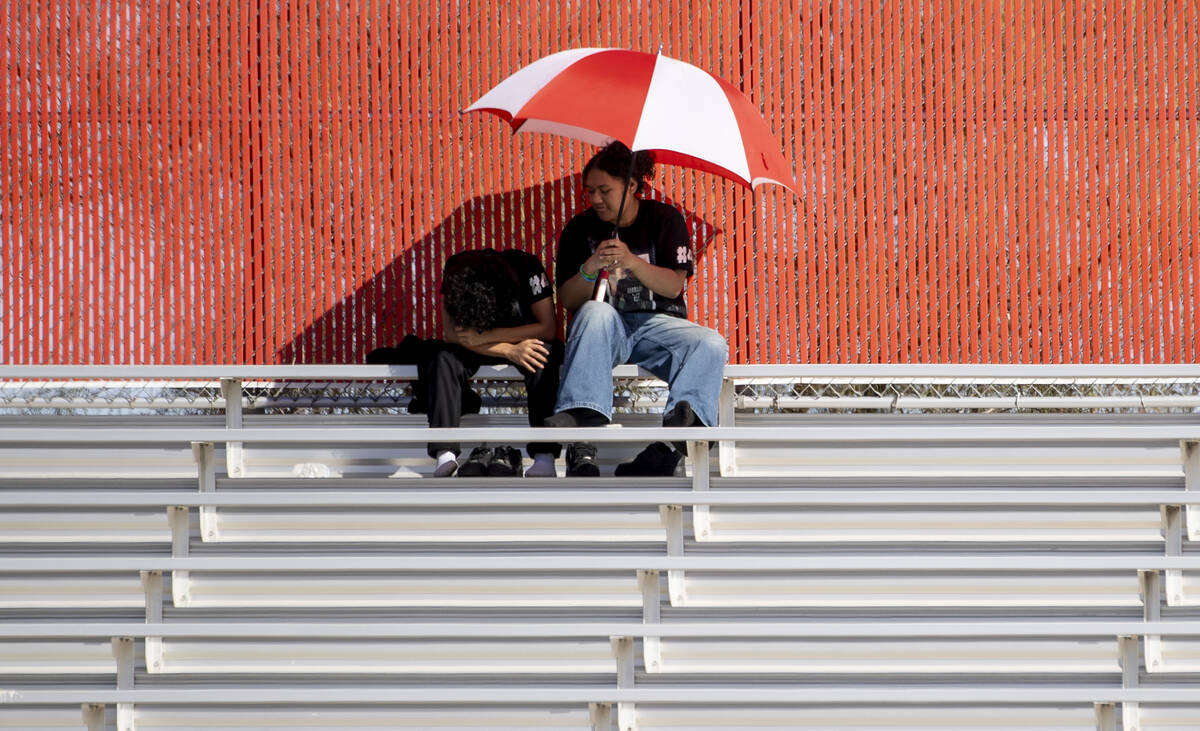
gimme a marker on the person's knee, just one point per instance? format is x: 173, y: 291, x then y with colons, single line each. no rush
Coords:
x: 594, y: 314
x: 712, y: 346
x: 443, y: 358
x: 444, y: 362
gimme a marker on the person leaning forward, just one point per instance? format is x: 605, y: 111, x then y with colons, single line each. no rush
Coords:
x: 642, y: 321
x: 497, y: 307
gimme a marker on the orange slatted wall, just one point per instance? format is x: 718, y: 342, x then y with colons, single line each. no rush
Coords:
x: 263, y: 182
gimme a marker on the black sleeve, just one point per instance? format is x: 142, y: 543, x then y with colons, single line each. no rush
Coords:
x: 531, y: 276
x: 674, y: 245
x: 572, y: 251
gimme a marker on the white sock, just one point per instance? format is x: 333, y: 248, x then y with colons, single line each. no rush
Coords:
x: 446, y: 464
x: 543, y: 466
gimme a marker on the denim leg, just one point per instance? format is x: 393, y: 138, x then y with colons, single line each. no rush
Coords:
x: 597, y: 341
x: 689, y: 357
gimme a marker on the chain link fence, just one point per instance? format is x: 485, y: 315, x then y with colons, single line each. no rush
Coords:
x: 264, y: 182
x: 632, y: 395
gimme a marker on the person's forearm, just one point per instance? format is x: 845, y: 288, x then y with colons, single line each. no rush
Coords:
x: 574, y: 292
x: 495, y: 350
x: 661, y: 281
x: 538, y: 330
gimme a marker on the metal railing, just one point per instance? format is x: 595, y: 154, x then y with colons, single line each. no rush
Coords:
x: 761, y: 389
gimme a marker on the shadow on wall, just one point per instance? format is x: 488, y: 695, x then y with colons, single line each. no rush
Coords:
x: 401, y: 298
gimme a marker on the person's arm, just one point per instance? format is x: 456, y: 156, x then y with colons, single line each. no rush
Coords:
x: 574, y: 253
x: 544, y: 327
x: 522, y: 345
x: 575, y: 290
x: 662, y: 281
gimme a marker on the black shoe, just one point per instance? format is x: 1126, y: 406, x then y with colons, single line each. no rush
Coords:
x: 657, y: 460
x: 505, y: 462
x: 581, y: 460
x: 477, y: 464
x: 576, y: 417
x: 681, y: 415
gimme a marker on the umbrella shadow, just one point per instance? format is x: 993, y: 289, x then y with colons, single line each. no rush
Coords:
x: 401, y: 298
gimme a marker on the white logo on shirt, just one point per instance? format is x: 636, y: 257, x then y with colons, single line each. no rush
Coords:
x: 537, y: 283
x: 683, y: 255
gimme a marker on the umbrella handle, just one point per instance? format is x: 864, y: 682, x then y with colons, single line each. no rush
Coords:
x: 600, y: 289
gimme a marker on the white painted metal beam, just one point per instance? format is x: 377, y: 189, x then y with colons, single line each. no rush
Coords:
x: 427, y: 563
x: 1013, y: 433
x: 733, y: 628
x: 988, y: 372
x: 725, y: 492
x: 892, y: 694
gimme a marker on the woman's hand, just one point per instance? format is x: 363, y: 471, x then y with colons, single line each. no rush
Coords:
x: 531, y: 354
x: 594, y: 263
x: 614, y: 254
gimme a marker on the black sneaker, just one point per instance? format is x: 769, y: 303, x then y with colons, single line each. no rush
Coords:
x: 581, y: 460
x: 505, y: 462
x: 477, y: 464
x: 572, y: 418
x: 657, y: 460
x: 681, y: 415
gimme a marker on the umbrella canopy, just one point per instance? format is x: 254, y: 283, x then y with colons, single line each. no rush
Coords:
x: 683, y: 114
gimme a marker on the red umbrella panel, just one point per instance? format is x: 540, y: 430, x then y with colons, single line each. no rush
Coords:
x: 683, y: 114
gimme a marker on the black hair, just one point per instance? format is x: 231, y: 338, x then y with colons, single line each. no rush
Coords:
x: 479, y: 289
x: 613, y: 159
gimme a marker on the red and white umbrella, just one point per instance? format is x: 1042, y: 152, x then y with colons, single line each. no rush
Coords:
x: 683, y: 114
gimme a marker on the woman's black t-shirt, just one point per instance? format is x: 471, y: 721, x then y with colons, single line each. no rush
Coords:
x: 658, y: 235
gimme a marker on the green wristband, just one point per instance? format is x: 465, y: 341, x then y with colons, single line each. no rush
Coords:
x: 586, y: 276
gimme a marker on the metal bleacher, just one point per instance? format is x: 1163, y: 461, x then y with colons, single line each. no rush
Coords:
x: 919, y: 547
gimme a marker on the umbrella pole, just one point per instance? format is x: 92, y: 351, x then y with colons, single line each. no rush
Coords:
x: 624, y: 194
x: 600, y: 289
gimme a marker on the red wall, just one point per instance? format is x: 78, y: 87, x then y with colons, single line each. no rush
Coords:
x: 280, y: 181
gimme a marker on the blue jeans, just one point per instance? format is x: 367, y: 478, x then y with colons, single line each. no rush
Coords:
x: 689, y: 357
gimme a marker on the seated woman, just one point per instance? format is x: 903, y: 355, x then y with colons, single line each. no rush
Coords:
x: 497, y: 307
x: 642, y: 321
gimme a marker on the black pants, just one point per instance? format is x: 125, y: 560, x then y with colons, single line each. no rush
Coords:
x: 446, y: 370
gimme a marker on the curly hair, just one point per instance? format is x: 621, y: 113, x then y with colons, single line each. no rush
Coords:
x: 613, y: 159
x: 479, y: 289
